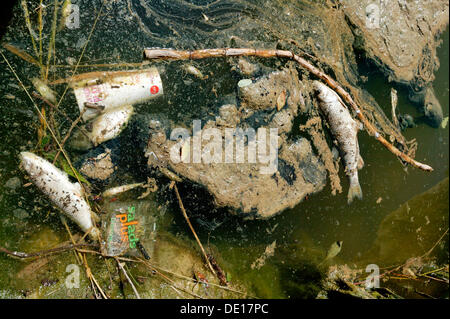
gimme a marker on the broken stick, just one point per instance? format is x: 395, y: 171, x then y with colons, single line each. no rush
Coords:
x: 172, y: 54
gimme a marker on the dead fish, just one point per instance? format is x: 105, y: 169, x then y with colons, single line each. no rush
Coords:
x: 194, y: 71
x: 109, y: 125
x: 44, y: 90
x: 56, y: 185
x: 345, y: 130
x: 120, y: 189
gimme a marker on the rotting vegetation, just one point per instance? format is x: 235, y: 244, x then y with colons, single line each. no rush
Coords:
x: 330, y: 56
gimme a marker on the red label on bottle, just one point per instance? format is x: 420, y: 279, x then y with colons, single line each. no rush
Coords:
x: 154, y: 89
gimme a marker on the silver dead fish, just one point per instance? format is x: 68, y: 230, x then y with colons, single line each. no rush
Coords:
x: 109, y: 124
x: 56, y: 185
x: 345, y: 130
x: 111, y: 192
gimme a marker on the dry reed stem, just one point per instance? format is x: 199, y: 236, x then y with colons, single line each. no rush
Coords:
x: 128, y: 278
x: 51, y: 45
x: 192, y: 229
x: 42, y: 253
x: 28, y: 24
x: 21, y: 54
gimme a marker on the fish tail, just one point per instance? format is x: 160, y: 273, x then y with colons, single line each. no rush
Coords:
x: 354, y: 191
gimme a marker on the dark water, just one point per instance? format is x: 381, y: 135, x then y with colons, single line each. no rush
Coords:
x: 303, y: 234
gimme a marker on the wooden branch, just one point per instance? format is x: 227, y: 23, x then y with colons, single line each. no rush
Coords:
x: 172, y: 54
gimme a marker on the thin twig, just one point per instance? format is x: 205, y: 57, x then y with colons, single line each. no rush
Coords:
x: 433, y: 271
x: 37, y: 95
x: 169, y: 280
x: 192, y: 228
x: 77, y: 255
x: 194, y: 280
x: 28, y: 24
x: 437, y: 279
x: 128, y: 278
x: 434, y: 246
x: 92, y: 277
x: 46, y: 252
x: 40, y: 37
x: 149, y: 264
x: 74, y: 123
x: 51, y: 45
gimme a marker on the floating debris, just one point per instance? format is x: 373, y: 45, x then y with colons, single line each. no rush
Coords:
x: 269, y: 252
x: 444, y: 122
x: 281, y: 100
x: 244, y: 82
x: 9, y: 96
x: 189, y: 68
x: 151, y: 187
x: 394, y: 102
x: 100, y: 167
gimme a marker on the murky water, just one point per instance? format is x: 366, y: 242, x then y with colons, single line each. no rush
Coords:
x: 303, y: 234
